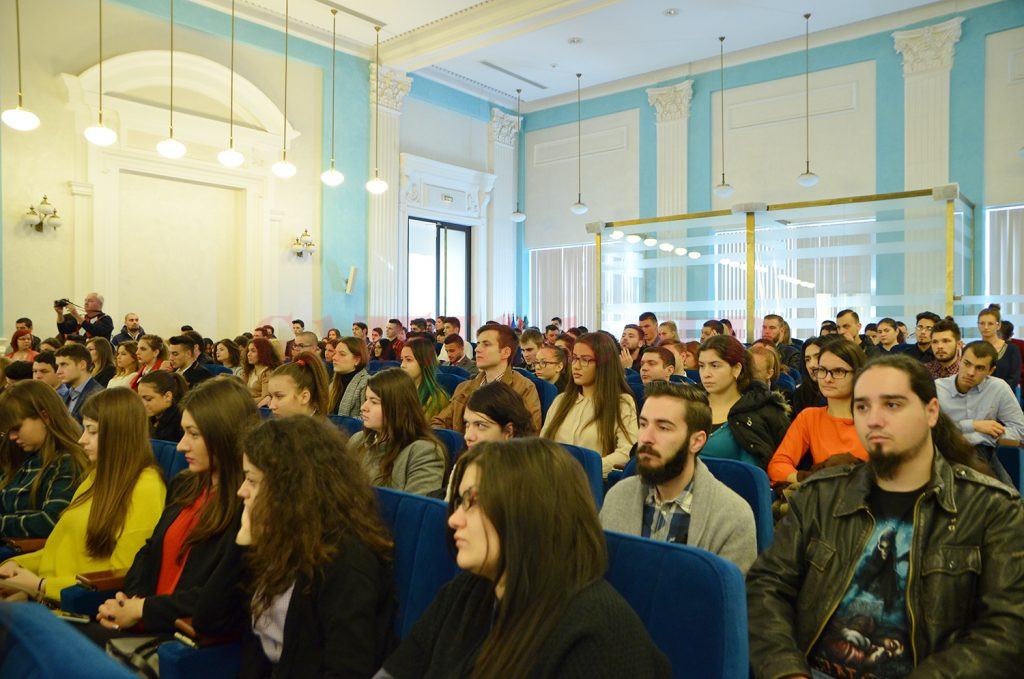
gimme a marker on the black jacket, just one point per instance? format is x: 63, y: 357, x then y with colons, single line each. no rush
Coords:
x: 166, y: 426
x: 159, y: 613
x: 598, y: 636
x: 123, y: 336
x: 103, y: 376
x: 97, y: 326
x: 759, y: 421
x: 195, y: 374
x: 339, y: 624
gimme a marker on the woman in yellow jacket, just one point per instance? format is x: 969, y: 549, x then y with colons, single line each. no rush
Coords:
x: 113, y: 511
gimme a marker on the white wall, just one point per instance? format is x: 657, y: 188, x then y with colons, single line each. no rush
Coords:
x: 439, y: 134
x: 1004, y: 117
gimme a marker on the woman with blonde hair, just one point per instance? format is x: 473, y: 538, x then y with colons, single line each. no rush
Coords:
x: 127, y: 364
x: 112, y: 513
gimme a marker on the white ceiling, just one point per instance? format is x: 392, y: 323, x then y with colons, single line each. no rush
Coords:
x: 449, y: 39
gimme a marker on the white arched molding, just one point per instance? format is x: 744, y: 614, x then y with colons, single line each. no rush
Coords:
x: 432, y: 190
x: 96, y: 186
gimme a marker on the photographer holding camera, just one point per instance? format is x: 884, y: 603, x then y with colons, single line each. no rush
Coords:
x: 78, y: 328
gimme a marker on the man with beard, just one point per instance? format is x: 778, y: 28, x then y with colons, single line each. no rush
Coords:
x: 945, y: 347
x: 630, y: 344
x: 952, y: 590
x: 675, y: 498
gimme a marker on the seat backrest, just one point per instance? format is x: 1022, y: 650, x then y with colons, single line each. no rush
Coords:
x: 545, y: 391
x: 376, y: 366
x: 168, y: 457
x: 449, y: 381
x: 692, y: 603
x: 453, y: 441
x: 349, y: 425
x: 632, y: 374
x: 265, y: 413
x: 34, y: 643
x: 638, y: 394
x: 454, y: 370
x: 423, y: 562
x: 591, y: 462
x: 216, y: 369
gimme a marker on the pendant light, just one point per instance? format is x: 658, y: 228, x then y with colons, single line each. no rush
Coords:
x: 229, y: 157
x: 100, y: 134
x: 808, y: 178
x: 19, y: 118
x: 579, y: 207
x: 283, y: 168
x: 332, y: 177
x: 518, y: 215
x: 723, y: 190
x: 171, y: 147
x: 377, y: 185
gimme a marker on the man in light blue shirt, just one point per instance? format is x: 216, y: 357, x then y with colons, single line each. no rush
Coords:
x: 984, y: 409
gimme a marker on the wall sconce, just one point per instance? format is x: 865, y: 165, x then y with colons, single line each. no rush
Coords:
x: 43, y: 215
x: 303, y: 244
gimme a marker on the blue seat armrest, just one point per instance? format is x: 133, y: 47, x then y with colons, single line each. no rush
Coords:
x: 178, y: 661
x: 78, y: 599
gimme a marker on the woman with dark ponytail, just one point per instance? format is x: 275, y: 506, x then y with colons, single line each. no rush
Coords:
x: 300, y: 387
x: 161, y: 392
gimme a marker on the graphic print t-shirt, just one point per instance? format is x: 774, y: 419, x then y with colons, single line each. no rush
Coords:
x: 868, y: 636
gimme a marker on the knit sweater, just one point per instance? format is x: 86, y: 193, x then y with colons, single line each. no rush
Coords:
x: 598, y: 635
x: 816, y: 431
x: 579, y: 429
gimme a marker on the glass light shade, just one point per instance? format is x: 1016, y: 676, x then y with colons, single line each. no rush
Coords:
x: 616, y: 234
x: 518, y: 216
x: 376, y: 186
x: 54, y: 220
x: 297, y: 247
x: 665, y: 247
x: 332, y: 177
x: 283, y: 169
x: 45, y: 208
x: 681, y: 251
x: 230, y: 158
x: 311, y: 248
x: 807, y: 179
x: 650, y: 242
x: 694, y: 254
x: 579, y: 208
x: 171, y: 148
x: 724, y: 190
x: 100, y: 135
x: 20, y: 119
x: 305, y: 238
x: 31, y: 218
x: 633, y: 238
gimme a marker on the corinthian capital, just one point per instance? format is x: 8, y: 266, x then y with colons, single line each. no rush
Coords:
x: 504, y: 128
x: 393, y: 87
x: 929, y: 48
x: 672, y: 102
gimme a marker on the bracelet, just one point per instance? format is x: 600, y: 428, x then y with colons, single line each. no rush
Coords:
x: 41, y: 590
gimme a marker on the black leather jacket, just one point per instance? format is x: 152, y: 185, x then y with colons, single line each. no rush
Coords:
x: 965, y: 587
x: 759, y: 421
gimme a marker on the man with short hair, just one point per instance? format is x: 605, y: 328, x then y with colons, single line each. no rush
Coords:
x: 375, y: 335
x: 629, y: 346
x: 298, y: 326
x: 418, y: 325
x: 828, y: 328
x: 17, y: 371
x: 871, y: 332
x: 648, y: 324
x: 131, y: 331
x: 668, y: 332
x: 73, y: 366
x: 907, y: 565
x: 183, y: 352
x: 360, y: 330
x: 44, y: 369
x: 306, y: 340
x: 922, y: 350
x: 710, y: 329
x: 674, y: 497
x: 258, y: 331
x: 557, y: 321
x: 496, y: 344
x: 430, y: 326
x: 25, y: 323
x: 551, y: 333
x: 656, y: 363
x: 76, y: 327
x: 455, y: 347
x: 945, y: 347
x: 395, y: 332
x: 530, y: 343
x: 984, y: 409
x: 772, y: 331
x: 681, y: 355
x: 451, y: 325
x: 848, y: 322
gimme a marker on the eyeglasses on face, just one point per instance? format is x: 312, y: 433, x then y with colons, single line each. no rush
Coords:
x: 834, y: 373
x: 585, y: 361
x: 544, y: 364
x: 467, y: 500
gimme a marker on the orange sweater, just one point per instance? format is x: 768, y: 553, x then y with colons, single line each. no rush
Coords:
x: 815, y: 430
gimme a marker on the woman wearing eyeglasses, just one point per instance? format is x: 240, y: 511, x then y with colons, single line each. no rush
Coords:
x: 827, y: 430
x: 552, y: 365
x: 596, y: 409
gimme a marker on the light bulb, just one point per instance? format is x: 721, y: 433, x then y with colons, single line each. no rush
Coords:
x: 681, y: 251
x: 633, y: 238
x: 616, y: 234
x: 807, y: 179
x: 518, y: 216
x: 694, y: 254
x: 171, y: 148
x: 579, y: 208
x: 54, y: 220
x: 20, y: 119
x: 376, y: 186
x: 283, y: 169
x: 665, y: 247
x: 100, y: 135
x: 650, y: 242
x: 230, y: 158
x: 724, y: 190
x: 332, y: 177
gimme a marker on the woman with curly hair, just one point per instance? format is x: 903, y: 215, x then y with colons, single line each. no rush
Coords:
x: 260, y: 361
x: 419, y: 361
x: 317, y: 595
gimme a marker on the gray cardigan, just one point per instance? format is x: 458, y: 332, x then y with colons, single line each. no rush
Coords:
x: 355, y: 394
x: 720, y: 520
x: 419, y: 467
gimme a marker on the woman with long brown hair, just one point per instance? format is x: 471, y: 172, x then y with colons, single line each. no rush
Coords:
x: 41, y: 461
x: 114, y: 510
x: 299, y: 387
x: 1008, y: 359
x: 533, y: 595
x: 102, y: 354
x: 596, y: 409
x: 315, y: 574
x: 420, y: 362
x: 126, y: 364
x: 161, y: 393
x: 151, y: 353
x: 396, y: 447
x: 229, y: 355
x: 348, y: 386
x: 196, y: 531
x: 260, y: 361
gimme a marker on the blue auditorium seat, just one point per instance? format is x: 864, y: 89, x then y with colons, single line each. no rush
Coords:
x: 216, y: 369
x: 453, y: 441
x: 168, y: 457
x: 545, y: 391
x: 454, y: 370
x: 638, y: 395
x: 591, y: 462
x: 449, y: 381
x: 376, y: 366
x: 35, y: 644
x: 350, y: 425
x: 692, y: 603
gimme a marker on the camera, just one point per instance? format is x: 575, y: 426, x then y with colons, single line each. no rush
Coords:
x: 61, y: 302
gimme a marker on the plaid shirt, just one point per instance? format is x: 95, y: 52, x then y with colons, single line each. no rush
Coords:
x: 19, y: 516
x: 667, y: 521
x: 939, y: 371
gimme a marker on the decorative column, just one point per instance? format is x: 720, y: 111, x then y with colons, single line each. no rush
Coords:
x: 927, y: 61
x: 385, y: 291
x: 672, y: 110
x: 502, y: 153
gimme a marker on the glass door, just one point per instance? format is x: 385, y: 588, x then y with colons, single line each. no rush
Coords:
x: 439, y: 270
